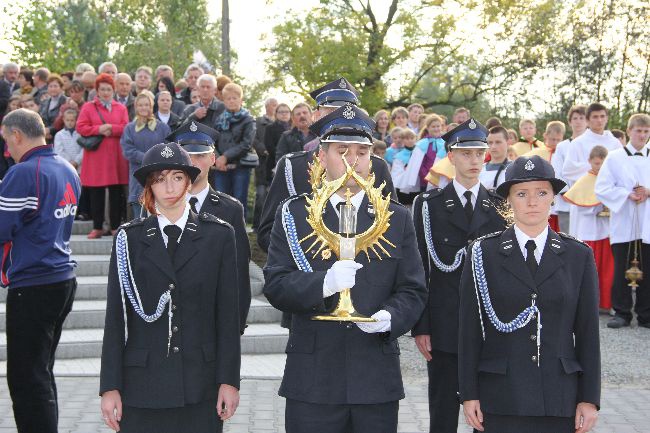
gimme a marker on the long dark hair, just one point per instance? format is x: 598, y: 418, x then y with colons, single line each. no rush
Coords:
x: 169, y: 85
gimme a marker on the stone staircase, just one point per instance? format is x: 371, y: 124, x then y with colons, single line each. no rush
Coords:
x: 80, y: 347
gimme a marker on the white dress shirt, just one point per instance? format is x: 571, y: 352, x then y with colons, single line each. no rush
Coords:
x: 540, y: 242
x: 164, y: 222
x: 460, y: 191
x: 164, y: 118
x: 200, y: 196
x: 355, y: 200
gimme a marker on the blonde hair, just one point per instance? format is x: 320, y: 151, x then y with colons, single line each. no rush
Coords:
x: 427, y: 122
x: 638, y: 119
x: 399, y: 110
x: 233, y: 88
x: 406, y: 132
x: 598, y: 152
x: 523, y: 122
x: 555, y: 127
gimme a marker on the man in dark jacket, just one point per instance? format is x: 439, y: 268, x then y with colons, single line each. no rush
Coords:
x: 208, y: 109
x: 342, y: 376
x: 446, y: 221
x: 38, y: 203
x: 123, y: 93
x: 261, y: 178
x: 8, y: 84
x: 294, y: 139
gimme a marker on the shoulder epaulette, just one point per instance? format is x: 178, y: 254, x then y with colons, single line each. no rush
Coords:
x: 229, y: 197
x: 294, y: 155
x: 293, y: 197
x: 493, y: 194
x: 427, y: 195
x: 487, y: 236
x: 204, y: 216
x: 132, y: 223
x: 392, y: 200
x: 573, y: 238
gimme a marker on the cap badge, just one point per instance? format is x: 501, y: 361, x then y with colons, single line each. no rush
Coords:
x: 529, y: 165
x: 348, y: 113
x: 472, y: 124
x: 342, y: 84
x: 167, y: 152
x: 193, y: 127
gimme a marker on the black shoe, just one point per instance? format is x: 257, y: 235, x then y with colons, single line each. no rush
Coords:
x: 644, y: 325
x: 617, y: 322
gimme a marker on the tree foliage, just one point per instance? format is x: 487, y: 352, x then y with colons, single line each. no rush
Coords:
x: 129, y: 32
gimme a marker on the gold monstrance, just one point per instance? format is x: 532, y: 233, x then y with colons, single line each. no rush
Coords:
x: 346, y: 244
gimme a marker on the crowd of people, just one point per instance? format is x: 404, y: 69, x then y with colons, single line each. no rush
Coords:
x: 168, y: 152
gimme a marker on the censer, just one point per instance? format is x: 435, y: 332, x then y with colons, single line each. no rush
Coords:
x: 346, y: 244
x: 634, y: 274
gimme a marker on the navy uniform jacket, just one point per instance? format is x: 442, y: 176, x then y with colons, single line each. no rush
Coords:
x: 500, y: 371
x: 451, y: 232
x: 205, y: 348
x: 231, y: 211
x: 279, y: 190
x: 337, y: 363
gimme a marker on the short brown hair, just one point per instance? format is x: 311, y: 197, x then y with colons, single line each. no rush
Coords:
x: 492, y: 122
x: 378, y: 145
x: 299, y: 105
x: 618, y: 134
x: 407, y: 132
x: 461, y: 110
x: 638, y: 119
x: 576, y: 109
x: 499, y: 130
x: 555, y: 126
x: 596, y: 106
x: 598, y: 152
x: 412, y: 106
x: 399, y: 110
x: 55, y: 77
x: 232, y: 88
x: 522, y: 122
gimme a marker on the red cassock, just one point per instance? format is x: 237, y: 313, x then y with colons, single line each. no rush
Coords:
x: 605, y: 266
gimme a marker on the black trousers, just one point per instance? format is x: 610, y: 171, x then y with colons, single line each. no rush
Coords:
x: 443, y: 389
x: 303, y: 417
x: 116, y: 205
x: 35, y: 317
x: 621, y: 292
x: 527, y: 424
x: 201, y: 417
x: 260, y: 196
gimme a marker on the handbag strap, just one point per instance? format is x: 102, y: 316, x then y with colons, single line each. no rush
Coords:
x: 100, y: 114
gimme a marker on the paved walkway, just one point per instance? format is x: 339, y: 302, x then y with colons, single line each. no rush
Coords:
x: 261, y: 410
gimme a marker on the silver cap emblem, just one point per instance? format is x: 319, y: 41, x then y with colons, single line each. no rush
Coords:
x: 472, y: 124
x: 348, y: 112
x: 342, y: 84
x: 529, y: 165
x: 167, y: 152
x: 193, y: 127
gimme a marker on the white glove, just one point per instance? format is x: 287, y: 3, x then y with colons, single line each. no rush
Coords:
x: 382, y: 323
x: 340, y: 276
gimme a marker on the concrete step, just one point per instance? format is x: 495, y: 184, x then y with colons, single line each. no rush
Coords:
x: 87, y: 343
x: 88, y: 314
x: 270, y: 366
x: 83, y: 228
x: 88, y: 288
x: 89, y: 265
x: 79, y: 244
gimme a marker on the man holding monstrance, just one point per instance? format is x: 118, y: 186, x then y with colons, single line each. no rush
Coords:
x: 344, y: 262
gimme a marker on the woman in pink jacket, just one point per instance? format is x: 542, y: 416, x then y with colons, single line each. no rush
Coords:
x: 104, y: 167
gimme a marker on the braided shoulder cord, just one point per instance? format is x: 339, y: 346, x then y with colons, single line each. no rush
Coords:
x: 289, y: 225
x: 129, y: 287
x: 288, y: 176
x: 483, y: 295
x: 458, y: 258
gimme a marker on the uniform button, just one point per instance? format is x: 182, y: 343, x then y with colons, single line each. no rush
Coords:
x: 533, y: 337
x: 534, y: 316
x: 446, y: 240
x: 171, y: 286
x: 534, y: 358
x: 173, y: 307
x: 175, y: 329
x: 349, y: 326
x: 176, y: 349
x: 534, y: 296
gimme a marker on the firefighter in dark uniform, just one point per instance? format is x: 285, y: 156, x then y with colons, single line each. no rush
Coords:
x: 198, y: 140
x: 171, y: 350
x: 446, y: 220
x: 342, y: 377
x: 292, y: 170
x: 529, y: 353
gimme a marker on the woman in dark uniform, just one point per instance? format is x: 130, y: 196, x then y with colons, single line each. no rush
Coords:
x: 171, y: 353
x: 529, y: 353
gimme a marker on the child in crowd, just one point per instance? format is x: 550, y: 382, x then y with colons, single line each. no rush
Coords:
x: 65, y: 141
x: 400, y: 117
x: 428, y: 148
x: 512, y: 137
x: 396, y: 146
x: 512, y: 155
x: 592, y: 223
x: 379, y: 148
x: 29, y: 103
x: 451, y: 126
x: 494, y: 171
x: 527, y: 140
x: 405, y: 194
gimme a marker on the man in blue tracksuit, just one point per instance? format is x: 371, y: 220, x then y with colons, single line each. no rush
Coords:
x: 38, y: 203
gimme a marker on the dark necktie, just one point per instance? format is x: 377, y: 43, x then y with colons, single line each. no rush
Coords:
x: 469, y: 210
x: 193, y: 202
x: 638, y: 154
x: 531, y: 262
x: 173, y: 232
